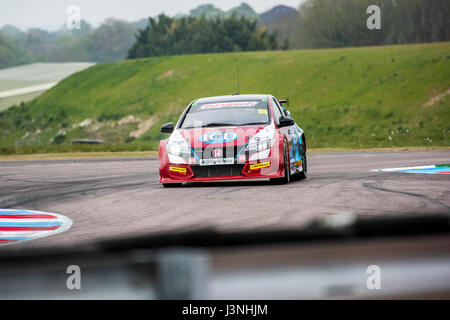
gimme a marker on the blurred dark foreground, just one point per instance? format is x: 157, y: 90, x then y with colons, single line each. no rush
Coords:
x: 342, y: 257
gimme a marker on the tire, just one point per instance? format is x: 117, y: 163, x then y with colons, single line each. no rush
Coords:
x: 303, y: 175
x: 287, y: 175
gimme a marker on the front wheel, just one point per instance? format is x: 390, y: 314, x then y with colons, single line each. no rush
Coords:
x: 287, y: 171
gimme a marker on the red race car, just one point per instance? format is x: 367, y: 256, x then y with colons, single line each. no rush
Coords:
x: 233, y: 138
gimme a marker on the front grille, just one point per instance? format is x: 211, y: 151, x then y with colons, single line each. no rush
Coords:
x: 217, y: 171
x: 228, y: 152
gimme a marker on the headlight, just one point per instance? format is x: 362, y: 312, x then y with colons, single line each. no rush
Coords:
x: 260, y: 145
x: 178, y: 148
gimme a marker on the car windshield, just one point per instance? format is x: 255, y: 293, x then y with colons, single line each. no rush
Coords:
x: 227, y: 113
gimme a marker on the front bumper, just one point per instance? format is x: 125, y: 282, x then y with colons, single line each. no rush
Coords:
x: 260, y: 169
x: 270, y: 167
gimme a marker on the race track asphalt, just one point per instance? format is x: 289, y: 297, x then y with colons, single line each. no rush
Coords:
x: 122, y: 197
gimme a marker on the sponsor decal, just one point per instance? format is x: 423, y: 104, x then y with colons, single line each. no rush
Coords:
x: 298, y: 163
x: 178, y: 169
x: 22, y: 225
x: 229, y: 105
x: 218, y: 137
x: 216, y: 162
x: 260, y: 165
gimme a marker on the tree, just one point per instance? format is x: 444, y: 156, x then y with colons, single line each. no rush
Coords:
x: 11, y: 54
x: 328, y: 23
x: 331, y: 23
x: 189, y: 35
x: 420, y: 21
x: 111, y: 41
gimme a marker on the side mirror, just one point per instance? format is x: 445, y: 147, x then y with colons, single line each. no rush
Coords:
x: 286, y: 122
x: 167, y: 128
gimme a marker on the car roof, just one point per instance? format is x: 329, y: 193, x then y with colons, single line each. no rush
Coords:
x: 240, y: 97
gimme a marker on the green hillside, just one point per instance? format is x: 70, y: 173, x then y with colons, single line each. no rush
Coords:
x: 356, y: 98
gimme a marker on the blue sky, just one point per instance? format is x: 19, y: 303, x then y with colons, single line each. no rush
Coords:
x: 51, y: 14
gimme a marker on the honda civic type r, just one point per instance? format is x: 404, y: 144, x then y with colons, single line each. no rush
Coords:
x: 233, y: 138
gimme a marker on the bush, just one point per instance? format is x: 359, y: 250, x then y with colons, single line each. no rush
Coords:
x: 59, y: 139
